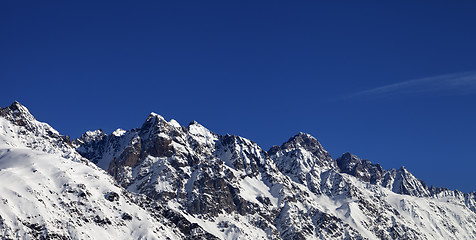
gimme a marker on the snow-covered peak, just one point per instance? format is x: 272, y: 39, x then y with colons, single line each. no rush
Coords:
x: 154, y: 115
x: 17, y: 112
x: 305, y: 141
x: 18, y: 128
x: 20, y: 115
x: 404, y: 170
x: 399, y: 181
x: 119, y: 132
x: 303, y: 159
x: 196, y: 129
x: 93, y: 135
x: 157, y: 122
x: 301, y: 152
x: 175, y: 123
x: 198, y: 135
x: 405, y: 182
x: 155, y: 125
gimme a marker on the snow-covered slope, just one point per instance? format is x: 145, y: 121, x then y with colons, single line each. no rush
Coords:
x: 20, y: 129
x: 43, y: 195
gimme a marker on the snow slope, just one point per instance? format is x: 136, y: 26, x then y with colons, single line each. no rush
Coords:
x: 20, y: 129
x: 44, y: 195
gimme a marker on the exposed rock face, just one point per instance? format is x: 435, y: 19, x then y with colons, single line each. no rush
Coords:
x: 361, y: 169
x: 399, y: 181
x: 310, y: 144
x: 20, y: 116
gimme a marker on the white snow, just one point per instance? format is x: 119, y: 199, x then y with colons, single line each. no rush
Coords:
x: 251, y: 188
x: 174, y: 123
x: 43, y: 188
x: 118, y: 132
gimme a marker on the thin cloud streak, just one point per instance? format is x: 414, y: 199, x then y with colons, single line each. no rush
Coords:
x: 450, y: 84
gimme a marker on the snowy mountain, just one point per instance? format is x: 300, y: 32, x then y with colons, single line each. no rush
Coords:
x: 164, y: 180
x: 49, y: 191
x: 234, y: 189
x: 20, y: 129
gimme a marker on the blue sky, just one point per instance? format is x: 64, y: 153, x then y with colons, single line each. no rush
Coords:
x: 391, y: 82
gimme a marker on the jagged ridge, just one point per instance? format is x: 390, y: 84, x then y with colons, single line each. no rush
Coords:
x: 213, y: 177
x: 228, y: 187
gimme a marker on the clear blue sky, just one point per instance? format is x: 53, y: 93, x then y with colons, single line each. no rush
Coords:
x: 391, y: 82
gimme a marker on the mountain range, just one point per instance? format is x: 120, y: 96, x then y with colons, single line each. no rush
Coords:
x: 163, y: 180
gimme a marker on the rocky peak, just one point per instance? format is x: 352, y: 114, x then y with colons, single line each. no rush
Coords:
x: 18, y: 114
x: 241, y: 153
x: 152, y: 120
x: 34, y: 134
x: 194, y: 126
x: 156, y: 138
x: 196, y: 129
x: 302, y: 158
x: 404, y: 170
x: 16, y: 106
x: 404, y: 182
x: 154, y: 116
x: 201, y: 136
x: 361, y: 169
x: 399, y: 181
x: 95, y: 135
x: 347, y: 162
x: 303, y: 140
x: 155, y: 125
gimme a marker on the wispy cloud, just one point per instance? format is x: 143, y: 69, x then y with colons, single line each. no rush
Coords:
x: 451, y: 84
